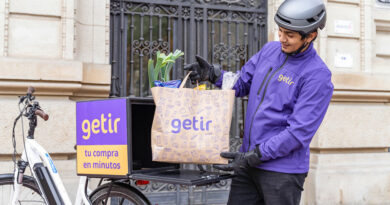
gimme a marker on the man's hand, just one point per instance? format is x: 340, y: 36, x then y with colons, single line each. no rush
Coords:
x: 203, y: 71
x: 240, y: 160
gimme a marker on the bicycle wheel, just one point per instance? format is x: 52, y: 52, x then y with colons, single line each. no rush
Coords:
x: 119, y: 195
x: 29, y: 191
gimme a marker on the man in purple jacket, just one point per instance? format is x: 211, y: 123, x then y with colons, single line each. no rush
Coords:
x: 289, y: 89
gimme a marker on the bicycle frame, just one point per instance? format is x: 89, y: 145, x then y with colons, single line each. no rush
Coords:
x: 38, y: 158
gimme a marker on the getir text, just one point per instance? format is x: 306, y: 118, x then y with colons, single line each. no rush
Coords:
x: 104, y: 125
x: 188, y: 124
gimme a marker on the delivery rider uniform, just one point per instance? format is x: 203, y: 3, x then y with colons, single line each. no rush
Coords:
x: 288, y: 98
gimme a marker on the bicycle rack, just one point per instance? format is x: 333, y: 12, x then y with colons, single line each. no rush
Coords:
x: 140, y: 113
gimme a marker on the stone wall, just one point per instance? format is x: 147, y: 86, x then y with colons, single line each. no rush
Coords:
x: 350, y: 162
x: 61, y: 47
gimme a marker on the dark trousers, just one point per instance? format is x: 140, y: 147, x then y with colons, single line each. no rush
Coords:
x: 261, y: 187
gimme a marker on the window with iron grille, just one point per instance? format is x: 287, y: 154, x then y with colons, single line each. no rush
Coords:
x: 226, y: 32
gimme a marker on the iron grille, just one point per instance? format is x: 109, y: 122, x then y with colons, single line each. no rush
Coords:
x: 227, y: 32
x: 224, y: 31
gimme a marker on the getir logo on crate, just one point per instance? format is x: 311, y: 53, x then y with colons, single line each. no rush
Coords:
x: 101, y: 136
x: 104, y: 125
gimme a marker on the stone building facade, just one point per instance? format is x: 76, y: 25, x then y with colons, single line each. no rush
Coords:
x: 61, y: 47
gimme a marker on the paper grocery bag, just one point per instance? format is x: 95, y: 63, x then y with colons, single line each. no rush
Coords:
x: 191, y: 126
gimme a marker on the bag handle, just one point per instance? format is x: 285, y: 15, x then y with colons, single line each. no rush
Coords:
x: 184, y: 80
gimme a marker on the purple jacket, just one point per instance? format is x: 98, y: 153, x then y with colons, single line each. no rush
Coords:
x: 288, y: 98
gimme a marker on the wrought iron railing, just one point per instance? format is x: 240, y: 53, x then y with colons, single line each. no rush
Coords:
x: 227, y: 32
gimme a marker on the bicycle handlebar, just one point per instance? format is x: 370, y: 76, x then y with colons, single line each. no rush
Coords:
x: 42, y: 114
x: 36, y: 108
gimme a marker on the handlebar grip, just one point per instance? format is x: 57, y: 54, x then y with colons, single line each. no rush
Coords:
x: 42, y: 114
x: 30, y: 90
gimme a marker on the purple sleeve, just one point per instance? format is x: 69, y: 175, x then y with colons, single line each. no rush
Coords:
x: 308, y: 113
x: 243, y: 83
x: 220, y: 80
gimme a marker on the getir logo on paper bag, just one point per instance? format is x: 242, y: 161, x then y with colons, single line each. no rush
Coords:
x: 102, y: 137
x: 188, y: 124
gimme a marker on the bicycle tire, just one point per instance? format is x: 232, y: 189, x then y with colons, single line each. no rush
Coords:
x: 119, y: 195
x: 29, y: 191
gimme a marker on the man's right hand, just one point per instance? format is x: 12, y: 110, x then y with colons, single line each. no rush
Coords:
x: 203, y: 71
x: 240, y: 160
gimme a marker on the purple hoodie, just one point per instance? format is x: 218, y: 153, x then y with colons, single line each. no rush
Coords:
x: 288, y: 98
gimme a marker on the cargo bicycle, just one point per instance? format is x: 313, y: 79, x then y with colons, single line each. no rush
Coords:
x: 44, y: 186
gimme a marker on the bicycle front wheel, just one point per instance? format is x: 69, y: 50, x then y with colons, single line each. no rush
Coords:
x: 117, y: 195
x: 29, y: 191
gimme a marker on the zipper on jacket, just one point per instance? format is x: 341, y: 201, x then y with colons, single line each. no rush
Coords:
x: 262, y: 97
x: 262, y: 83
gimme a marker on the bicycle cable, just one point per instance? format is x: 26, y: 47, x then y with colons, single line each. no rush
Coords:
x: 20, y: 116
x: 13, y: 134
x: 23, y: 138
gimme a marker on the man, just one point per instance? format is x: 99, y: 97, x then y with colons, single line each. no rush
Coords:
x: 289, y: 89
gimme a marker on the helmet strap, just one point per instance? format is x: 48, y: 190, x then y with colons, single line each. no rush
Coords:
x: 302, y: 47
x: 298, y: 50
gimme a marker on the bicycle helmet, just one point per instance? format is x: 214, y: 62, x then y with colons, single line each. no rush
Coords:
x: 303, y: 16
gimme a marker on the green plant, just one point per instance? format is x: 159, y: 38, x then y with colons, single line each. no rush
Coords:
x: 163, y: 66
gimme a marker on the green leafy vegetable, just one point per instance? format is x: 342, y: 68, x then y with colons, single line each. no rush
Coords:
x: 163, y: 66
